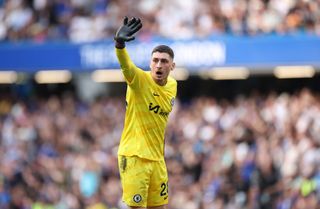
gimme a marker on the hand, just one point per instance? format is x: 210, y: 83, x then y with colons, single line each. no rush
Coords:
x: 127, y: 31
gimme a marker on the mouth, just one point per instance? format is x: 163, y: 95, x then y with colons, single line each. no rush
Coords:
x: 159, y: 73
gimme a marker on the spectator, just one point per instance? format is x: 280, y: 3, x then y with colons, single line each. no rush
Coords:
x: 255, y: 152
x: 83, y: 21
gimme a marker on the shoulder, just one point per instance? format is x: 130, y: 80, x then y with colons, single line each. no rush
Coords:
x: 171, y: 81
x: 172, y: 85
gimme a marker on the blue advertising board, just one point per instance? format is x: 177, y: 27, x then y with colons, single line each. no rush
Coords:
x: 253, y: 52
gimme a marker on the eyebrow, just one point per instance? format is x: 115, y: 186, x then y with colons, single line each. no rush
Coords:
x: 162, y: 59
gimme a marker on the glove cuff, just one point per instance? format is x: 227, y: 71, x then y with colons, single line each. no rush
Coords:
x: 120, y: 44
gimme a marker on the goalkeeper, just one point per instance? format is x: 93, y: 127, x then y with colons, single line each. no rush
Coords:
x: 149, y: 98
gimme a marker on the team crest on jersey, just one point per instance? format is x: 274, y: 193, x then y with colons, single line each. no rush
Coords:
x: 172, y: 102
x: 137, y: 198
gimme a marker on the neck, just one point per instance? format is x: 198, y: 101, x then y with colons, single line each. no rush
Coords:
x: 161, y: 82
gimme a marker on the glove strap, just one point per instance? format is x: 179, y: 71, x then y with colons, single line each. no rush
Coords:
x: 120, y: 44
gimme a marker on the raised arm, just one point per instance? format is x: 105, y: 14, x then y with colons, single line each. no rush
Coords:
x: 124, y: 34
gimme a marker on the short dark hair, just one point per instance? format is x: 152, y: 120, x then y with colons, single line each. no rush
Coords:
x: 163, y: 49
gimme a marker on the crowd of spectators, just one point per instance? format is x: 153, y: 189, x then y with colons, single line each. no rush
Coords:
x: 92, y: 20
x: 255, y: 152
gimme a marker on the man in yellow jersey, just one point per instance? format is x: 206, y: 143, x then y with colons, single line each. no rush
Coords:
x: 150, y: 98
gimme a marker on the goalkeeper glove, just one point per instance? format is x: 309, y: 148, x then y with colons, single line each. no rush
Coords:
x: 127, y: 31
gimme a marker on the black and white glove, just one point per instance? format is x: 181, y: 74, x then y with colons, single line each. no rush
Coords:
x: 127, y: 31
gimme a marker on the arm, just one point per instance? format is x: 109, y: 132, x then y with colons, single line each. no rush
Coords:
x: 126, y: 33
x: 128, y: 68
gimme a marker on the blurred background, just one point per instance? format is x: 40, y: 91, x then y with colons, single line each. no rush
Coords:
x: 245, y: 129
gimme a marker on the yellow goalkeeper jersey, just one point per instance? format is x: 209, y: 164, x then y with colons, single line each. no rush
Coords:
x: 147, y: 111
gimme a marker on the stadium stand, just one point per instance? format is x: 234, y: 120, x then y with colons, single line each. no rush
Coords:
x: 252, y: 144
x: 82, y: 21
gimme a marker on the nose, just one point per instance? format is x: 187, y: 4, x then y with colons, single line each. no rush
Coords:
x: 158, y: 64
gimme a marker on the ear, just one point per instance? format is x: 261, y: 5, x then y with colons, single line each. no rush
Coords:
x: 150, y: 63
x: 173, y: 65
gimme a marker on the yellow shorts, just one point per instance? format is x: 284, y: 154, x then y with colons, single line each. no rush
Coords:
x: 144, y: 182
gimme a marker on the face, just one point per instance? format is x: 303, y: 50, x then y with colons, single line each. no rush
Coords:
x: 161, y: 64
